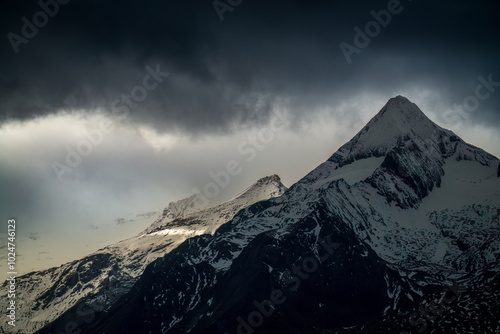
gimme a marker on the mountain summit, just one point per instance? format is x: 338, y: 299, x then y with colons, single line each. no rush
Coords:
x: 404, y: 114
x: 207, y: 219
x: 399, y: 120
x: 401, y: 123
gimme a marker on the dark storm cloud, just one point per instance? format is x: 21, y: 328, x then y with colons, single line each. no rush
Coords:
x: 234, y: 71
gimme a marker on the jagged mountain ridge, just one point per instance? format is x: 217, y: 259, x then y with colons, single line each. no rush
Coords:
x: 182, y: 208
x: 390, y: 210
x: 99, y: 279
x: 209, y: 219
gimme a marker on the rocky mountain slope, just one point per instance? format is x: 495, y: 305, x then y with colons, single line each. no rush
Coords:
x: 98, y: 280
x: 397, y: 232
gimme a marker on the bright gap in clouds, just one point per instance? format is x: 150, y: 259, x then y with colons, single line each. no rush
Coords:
x: 135, y: 171
x: 130, y: 172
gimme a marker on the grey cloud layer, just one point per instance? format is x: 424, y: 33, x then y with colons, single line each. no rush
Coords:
x: 233, y: 71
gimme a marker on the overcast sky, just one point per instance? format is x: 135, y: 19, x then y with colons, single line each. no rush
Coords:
x: 158, y: 94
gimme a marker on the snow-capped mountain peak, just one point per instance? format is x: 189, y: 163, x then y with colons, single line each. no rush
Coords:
x: 212, y: 217
x: 399, y: 116
x: 400, y: 106
x: 397, y: 120
x: 401, y: 140
x: 183, y: 207
x: 266, y: 187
